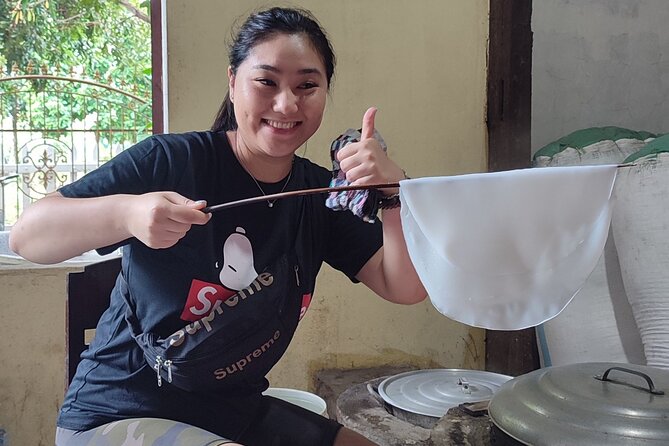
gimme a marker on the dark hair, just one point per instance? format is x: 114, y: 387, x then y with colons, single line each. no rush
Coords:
x: 262, y: 26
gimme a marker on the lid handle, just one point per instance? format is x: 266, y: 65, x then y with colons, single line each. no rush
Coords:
x: 651, y: 386
x: 464, y: 386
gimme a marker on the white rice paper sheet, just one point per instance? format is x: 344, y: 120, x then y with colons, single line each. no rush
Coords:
x: 507, y: 250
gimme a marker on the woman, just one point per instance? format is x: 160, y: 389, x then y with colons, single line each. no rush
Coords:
x: 250, y: 269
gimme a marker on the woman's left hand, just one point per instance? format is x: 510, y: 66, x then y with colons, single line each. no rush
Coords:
x: 366, y: 162
x: 389, y: 272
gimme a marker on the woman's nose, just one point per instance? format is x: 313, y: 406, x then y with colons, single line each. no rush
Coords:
x: 286, y: 102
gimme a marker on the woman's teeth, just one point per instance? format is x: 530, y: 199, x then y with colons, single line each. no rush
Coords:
x: 281, y: 125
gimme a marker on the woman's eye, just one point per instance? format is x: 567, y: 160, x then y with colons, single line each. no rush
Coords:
x: 308, y: 85
x: 268, y: 82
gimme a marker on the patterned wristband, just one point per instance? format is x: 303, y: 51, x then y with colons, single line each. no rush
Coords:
x: 390, y: 202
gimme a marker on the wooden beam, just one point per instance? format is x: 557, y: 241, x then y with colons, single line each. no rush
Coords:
x: 509, y: 124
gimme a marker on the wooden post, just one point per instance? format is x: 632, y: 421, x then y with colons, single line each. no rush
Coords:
x: 509, y: 124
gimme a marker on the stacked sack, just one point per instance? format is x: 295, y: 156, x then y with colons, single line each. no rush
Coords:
x: 592, y: 146
x: 641, y: 232
x: 599, y: 324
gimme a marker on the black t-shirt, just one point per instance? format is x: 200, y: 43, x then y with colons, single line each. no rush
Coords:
x: 173, y: 287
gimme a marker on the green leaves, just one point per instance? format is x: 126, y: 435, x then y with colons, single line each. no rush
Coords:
x: 101, y: 40
x: 102, y: 36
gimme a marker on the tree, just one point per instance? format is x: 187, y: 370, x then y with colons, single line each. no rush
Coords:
x: 104, y: 40
x: 109, y: 37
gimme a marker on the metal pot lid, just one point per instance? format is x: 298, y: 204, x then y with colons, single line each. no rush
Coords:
x: 591, y: 403
x: 432, y: 392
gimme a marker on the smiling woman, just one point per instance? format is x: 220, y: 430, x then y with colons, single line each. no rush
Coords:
x: 150, y: 200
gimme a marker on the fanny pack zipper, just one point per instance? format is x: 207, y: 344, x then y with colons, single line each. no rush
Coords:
x: 165, y: 364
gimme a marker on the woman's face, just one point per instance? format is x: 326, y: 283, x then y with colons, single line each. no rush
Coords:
x: 279, y: 95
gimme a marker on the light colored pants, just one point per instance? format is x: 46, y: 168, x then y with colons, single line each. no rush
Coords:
x: 140, y: 432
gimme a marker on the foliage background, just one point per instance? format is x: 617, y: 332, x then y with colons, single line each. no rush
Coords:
x: 94, y: 39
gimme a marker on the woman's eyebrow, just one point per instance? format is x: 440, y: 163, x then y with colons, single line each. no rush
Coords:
x: 276, y: 70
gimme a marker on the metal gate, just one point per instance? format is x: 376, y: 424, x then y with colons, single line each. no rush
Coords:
x: 57, y: 126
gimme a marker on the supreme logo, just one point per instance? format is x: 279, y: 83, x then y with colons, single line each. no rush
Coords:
x: 217, y: 305
x: 203, y: 296
x: 201, y: 299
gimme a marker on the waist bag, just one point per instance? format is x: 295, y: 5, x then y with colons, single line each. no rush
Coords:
x: 237, y: 343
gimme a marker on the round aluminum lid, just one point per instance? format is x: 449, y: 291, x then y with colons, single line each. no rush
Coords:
x: 432, y: 392
x: 572, y: 404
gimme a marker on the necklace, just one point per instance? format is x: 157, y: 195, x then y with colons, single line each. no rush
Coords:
x: 270, y: 203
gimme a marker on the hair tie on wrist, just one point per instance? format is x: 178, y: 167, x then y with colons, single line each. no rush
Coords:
x: 390, y: 201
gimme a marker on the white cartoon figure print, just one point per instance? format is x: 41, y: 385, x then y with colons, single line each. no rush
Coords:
x: 238, y: 270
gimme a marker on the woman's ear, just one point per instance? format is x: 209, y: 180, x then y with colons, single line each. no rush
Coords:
x: 231, y: 84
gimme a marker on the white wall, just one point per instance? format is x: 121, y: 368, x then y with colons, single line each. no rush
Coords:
x: 599, y: 63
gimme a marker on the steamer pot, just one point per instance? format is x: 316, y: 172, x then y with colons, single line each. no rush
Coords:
x: 584, y: 404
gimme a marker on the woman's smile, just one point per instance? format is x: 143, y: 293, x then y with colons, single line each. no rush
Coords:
x: 281, y: 125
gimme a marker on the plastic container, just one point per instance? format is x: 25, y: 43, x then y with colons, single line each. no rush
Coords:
x: 300, y: 398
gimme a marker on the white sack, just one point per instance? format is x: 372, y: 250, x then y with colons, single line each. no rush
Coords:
x: 641, y: 232
x: 597, y: 153
x: 598, y: 324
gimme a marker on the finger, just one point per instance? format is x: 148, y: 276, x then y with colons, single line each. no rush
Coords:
x: 176, y: 198
x: 362, y: 181
x: 345, y: 152
x: 199, y: 204
x: 358, y: 174
x: 191, y: 217
x: 184, y: 211
x: 188, y: 215
x: 368, y: 124
x: 348, y: 163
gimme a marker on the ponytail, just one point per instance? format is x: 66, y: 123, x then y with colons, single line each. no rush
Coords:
x: 225, y: 118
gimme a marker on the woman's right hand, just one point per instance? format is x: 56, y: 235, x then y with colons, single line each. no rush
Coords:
x: 57, y: 228
x: 161, y: 219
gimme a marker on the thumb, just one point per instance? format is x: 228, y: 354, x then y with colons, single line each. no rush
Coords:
x: 179, y: 199
x: 199, y: 204
x: 368, y: 124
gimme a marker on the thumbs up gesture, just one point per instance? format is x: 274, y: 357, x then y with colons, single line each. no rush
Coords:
x: 365, y: 162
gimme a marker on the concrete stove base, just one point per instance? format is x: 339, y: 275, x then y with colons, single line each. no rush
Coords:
x: 358, y: 409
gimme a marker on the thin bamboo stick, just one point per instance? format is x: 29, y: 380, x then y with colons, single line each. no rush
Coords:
x: 296, y: 193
